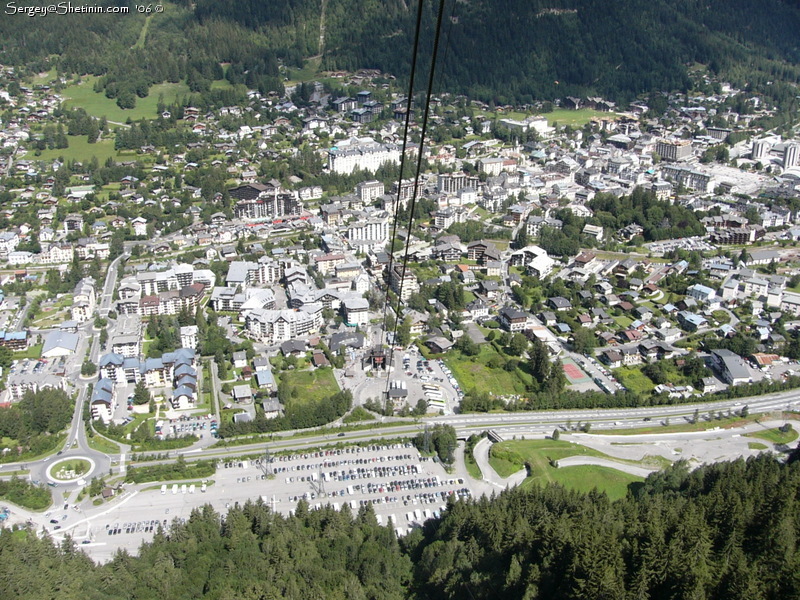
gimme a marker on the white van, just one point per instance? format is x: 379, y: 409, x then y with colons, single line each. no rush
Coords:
x: 174, y: 488
x: 163, y: 489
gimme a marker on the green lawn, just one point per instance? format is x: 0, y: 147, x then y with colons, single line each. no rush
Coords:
x: 101, y: 444
x: 633, y: 379
x: 84, y: 96
x: 357, y: 415
x: 623, y: 322
x: 776, y: 436
x: 221, y: 84
x: 311, y: 385
x: 585, y: 478
x: 757, y: 446
x: 32, y: 352
x: 576, y: 118
x: 309, y: 72
x: 79, y: 149
x: 472, y: 372
x: 509, y: 457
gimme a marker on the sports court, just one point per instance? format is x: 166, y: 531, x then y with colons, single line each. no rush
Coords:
x: 574, y: 373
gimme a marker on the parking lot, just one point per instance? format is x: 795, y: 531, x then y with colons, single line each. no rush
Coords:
x: 403, y: 487
x: 430, y: 380
x: 689, y: 243
x: 197, y: 425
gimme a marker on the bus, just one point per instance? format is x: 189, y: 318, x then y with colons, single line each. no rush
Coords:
x: 431, y: 388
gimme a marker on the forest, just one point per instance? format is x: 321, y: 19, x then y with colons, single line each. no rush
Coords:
x: 561, y: 47
x: 726, y: 531
x: 34, y: 421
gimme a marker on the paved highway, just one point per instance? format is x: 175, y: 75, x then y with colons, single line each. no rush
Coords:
x: 506, y: 424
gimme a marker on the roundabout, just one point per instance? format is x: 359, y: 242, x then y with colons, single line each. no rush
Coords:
x: 72, y: 469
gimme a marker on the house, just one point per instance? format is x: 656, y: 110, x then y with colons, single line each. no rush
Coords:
x: 265, y: 380
x: 439, y: 344
x: 243, y: 394
x: 691, y: 321
x: 709, y: 385
x: 293, y: 347
x: 272, y: 408
x: 240, y: 359
x: 548, y: 318
x: 346, y: 339
x: 318, y: 359
x: 489, y: 288
x: 559, y: 303
x: 731, y: 367
x: 613, y: 358
x: 513, y: 320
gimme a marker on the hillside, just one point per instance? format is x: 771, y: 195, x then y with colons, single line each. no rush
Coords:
x: 723, y: 531
x: 505, y: 51
x: 520, y: 50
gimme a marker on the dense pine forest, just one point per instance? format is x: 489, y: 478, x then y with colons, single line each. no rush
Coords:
x: 723, y: 531
x: 548, y: 48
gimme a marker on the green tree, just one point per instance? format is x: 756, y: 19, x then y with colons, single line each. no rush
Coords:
x: 88, y: 368
x: 583, y: 340
x: 141, y: 395
x: 404, y: 332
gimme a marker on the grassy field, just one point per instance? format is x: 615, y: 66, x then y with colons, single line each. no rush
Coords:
x: 84, y: 96
x: 34, y: 351
x: 509, y: 457
x: 309, y: 72
x: 473, y: 372
x: 311, y: 385
x: 585, y: 478
x: 357, y: 415
x: 757, y: 446
x: 576, y: 118
x: 633, y: 379
x: 79, y: 149
x: 776, y: 436
x: 623, y: 322
x: 143, y: 33
x: 101, y: 444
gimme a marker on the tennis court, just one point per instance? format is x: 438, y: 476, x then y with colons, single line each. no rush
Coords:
x: 573, y: 372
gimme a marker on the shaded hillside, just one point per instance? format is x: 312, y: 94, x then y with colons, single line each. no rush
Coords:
x: 519, y: 50
x: 501, y: 50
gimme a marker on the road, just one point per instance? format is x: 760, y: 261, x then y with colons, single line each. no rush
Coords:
x: 104, y: 305
x: 507, y: 425
x: 77, y: 444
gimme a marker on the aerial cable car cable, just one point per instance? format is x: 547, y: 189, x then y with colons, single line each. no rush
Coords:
x: 414, y: 194
x: 409, y: 96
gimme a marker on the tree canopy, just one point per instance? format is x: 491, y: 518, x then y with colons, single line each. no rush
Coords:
x: 722, y: 531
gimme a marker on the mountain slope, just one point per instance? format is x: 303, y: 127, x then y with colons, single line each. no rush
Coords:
x: 501, y: 50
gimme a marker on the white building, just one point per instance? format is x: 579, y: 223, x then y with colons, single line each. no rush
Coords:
x: 189, y: 336
x: 276, y: 326
x: 361, y: 154
x: 356, y: 310
x: 83, y: 300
